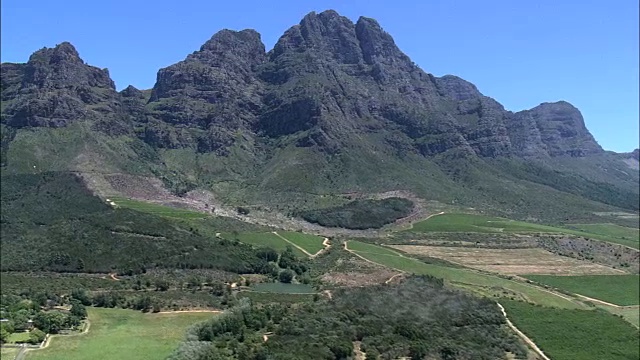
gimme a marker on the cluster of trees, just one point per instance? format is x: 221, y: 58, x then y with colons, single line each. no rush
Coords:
x: 51, y: 223
x: 283, y: 267
x: 361, y: 214
x: 417, y: 318
x: 22, y: 313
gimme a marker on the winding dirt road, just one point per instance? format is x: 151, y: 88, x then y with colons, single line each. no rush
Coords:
x: 524, y: 337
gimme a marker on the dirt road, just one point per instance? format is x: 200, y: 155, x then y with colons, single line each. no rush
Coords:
x: 524, y: 337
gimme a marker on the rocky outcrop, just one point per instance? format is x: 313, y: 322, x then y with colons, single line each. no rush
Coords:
x: 55, y: 88
x: 561, y: 129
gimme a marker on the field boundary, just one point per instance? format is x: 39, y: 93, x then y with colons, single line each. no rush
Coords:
x: 522, y: 335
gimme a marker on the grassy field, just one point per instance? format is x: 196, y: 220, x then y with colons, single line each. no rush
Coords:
x: 18, y: 337
x: 611, y: 232
x: 157, y: 209
x: 8, y: 353
x: 486, y: 224
x: 263, y: 239
x: 615, y: 289
x: 395, y: 260
x: 509, y: 261
x: 575, y: 334
x: 311, y: 243
x: 630, y: 314
x: 122, y: 334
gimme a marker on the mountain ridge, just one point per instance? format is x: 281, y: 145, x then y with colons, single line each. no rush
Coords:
x: 333, y: 98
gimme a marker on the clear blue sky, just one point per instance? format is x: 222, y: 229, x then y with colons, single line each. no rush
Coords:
x: 521, y: 53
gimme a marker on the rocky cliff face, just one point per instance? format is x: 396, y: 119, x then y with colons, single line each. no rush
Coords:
x: 328, y: 84
x: 55, y: 88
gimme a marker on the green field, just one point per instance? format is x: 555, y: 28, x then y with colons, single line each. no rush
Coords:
x: 486, y: 224
x: 263, y: 239
x: 311, y: 243
x: 615, y: 289
x: 122, y: 334
x: 8, y: 353
x: 575, y: 334
x: 156, y: 209
x: 18, y: 337
x: 283, y: 288
x: 611, y: 232
x: 395, y: 260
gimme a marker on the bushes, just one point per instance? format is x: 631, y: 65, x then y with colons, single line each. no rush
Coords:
x: 392, y: 321
x: 361, y: 214
x: 50, y: 222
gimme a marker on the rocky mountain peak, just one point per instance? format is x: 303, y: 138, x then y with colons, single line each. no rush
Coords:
x: 61, y: 53
x: 230, y: 44
x: 562, y: 129
x: 457, y: 88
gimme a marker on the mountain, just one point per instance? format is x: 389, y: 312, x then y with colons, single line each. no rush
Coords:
x: 335, y: 107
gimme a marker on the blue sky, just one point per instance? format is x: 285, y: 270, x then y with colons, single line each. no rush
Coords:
x: 521, y: 53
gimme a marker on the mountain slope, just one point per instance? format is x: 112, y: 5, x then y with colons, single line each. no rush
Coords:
x: 334, y: 107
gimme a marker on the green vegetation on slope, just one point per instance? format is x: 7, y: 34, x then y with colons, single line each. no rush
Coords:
x: 418, y: 318
x: 361, y: 214
x: 50, y: 222
x: 395, y: 260
x: 575, y: 334
x: 487, y: 224
x: 111, y: 334
x: 616, y: 289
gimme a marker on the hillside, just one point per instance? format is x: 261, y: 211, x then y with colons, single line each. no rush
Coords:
x: 335, y: 107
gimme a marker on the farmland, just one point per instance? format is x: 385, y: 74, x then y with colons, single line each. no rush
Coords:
x: 311, y: 243
x: 485, y: 224
x: 112, y: 330
x: 575, y: 334
x: 616, y: 289
x: 263, y: 239
x: 392, y: 259
x: 509, y: 261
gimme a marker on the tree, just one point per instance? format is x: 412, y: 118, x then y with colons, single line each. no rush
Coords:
x: 81, y: 295
x: 50, y: 321
x: 77, y: 309
x: 4, y: 334
x: 287, y: 258
x: 36, y: 336
x: 162, y: 285
x: 286, y: 276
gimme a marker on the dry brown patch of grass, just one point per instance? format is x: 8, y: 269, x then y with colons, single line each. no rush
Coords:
x: 511, y: 261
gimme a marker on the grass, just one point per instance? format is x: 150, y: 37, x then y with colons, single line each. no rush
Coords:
x: 486, y: 224
x: 617, y: 289
x: 266, y: 239
x: 156, y: 209
x: 630, y: 314
x: 395, y: 260
x: 611, y: 232
x: 311, y: 243
x: 122, y: 334
x: 509, y: 261
x: 8, y: 353
x: 575, y: 334
x: 16, y: 337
